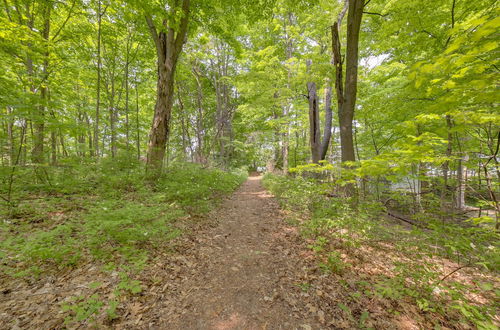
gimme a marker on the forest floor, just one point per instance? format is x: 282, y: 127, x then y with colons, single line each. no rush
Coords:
x: 242, y: 266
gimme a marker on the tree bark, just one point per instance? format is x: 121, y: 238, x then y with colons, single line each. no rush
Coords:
x: 39, y: 122
x: 168, y: 49
x: 112, y: 117
x: 127, y: 89
x: 446, y: 164
x: 327, y: 134
x: 10, y: 135
x: 137, y: 127
x: 346, y: 94
x: 286, y: 108
x: 461, y: 182
x: 314, y: 129
x: 223, y: 117
x: 100, y: 13
x: 199, y: 118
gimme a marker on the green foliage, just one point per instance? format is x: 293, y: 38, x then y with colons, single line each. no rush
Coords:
x: 202, y: 185
x: 83, y: 309
x: 337, y: 228
x: 115, y: 216
x: 107, y: 214
x: 333, y: 263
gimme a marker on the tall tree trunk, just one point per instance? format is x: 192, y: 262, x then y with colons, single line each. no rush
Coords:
x: 10, y: 136
x: 169, y: 45
x: 286, y: 141
x: 327, y: 134
x: 461, y: 182
x: 346, y: 93
x: 53, y: 141
x: 314, y: 129
x: 39, y: 122
x: 199, y: 118
x: 446, y: 164
x: 186, y: 138
x: 112, y: 117
x: 100, y: 13
x: 127, y: 63
x: 286, y: 108
x: 224, y: 114
x: 89, y: 133
x: 137, y: 127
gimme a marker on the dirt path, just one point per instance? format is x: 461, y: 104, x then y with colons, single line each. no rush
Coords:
x: 240, y: 267
x: 236, y: 274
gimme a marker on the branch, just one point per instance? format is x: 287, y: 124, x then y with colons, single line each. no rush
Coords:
x: 453, y: 272
x: 493, y: 65
x: 181, y: 35
x: 154, y: 34
x: 337, y: 61
x: 65, y: 21
x: 452, y: 21
x: 7, y: 10
x: 343, y: 11
x: 427, y: 32
x: 378, y: 14
x: 494, y: 156
x: 405, y: 220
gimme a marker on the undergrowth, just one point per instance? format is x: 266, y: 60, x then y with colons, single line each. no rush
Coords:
x: 102, y: 213
x: 409, y: 260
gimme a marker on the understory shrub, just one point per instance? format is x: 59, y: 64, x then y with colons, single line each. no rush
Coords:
x: 336, y: 226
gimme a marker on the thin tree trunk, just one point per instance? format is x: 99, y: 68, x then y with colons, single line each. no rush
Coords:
x: 112, y: 117
x: 10, y: 136
x: 461, y: 182
x: 39, y: 122
x: 100, y: 13
x: 327, y: 134
x: 127, y: 60
x: 446, y: 164
x: 287, y: 106
x: 186, y: 138
x: 199, y: 118
x: 137, y: 127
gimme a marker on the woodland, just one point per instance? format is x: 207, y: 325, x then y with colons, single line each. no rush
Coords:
x: 129, y: 129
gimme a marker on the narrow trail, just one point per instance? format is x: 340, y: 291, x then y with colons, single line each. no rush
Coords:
x: 237, y: 274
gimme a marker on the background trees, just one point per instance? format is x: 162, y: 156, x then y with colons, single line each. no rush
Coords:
x: 390, y: 105
x: 78, y: 78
